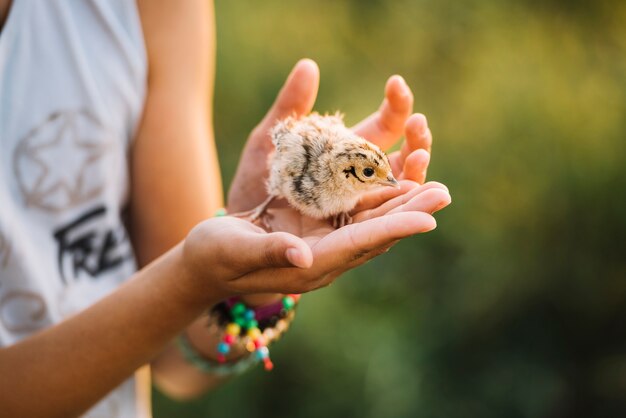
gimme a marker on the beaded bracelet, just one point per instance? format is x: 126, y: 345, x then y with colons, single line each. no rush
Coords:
x: 203, y: 364
x: 253, y: 332
x: 254, y: 327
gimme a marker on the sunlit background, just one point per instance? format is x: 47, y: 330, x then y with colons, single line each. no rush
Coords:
x: 515, y: 306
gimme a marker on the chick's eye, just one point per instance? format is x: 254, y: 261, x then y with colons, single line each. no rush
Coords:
x: 368, y: 172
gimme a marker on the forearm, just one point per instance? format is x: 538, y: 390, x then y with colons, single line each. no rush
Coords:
x: 70, y: 366
x: 178, y: 378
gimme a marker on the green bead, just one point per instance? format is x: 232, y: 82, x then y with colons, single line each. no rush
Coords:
x: 288, y: 302
x: 220, y: 212
x: 241, y: 322
x: 252, y: 324
x: 238, y: 309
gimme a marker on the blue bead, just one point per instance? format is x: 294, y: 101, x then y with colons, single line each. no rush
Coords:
x: 262, y: 353
x: 250, y: 315
x: 223, y: 348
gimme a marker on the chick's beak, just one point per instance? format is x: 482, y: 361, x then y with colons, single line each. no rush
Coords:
x: 391, y: 181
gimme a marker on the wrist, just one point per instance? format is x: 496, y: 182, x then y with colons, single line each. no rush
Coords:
x: 205, y: 335
x: 254, y: 327
x: 194, y: 289
x: 235, y: 333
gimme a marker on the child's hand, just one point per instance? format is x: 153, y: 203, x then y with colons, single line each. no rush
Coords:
x: 383, y: 127
x: 235, y: 257
x: 221, y: 250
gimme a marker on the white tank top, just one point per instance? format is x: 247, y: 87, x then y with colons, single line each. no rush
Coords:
x: 72, y: 89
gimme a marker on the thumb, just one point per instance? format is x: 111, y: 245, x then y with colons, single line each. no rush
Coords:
x: 297, y: 95
x: 277, y: 249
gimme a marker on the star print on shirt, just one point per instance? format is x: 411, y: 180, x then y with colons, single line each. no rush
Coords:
x: 63, y: 162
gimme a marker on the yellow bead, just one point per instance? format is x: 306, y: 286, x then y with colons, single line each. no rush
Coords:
x: 281, y: 325
x: 269, y: 334
x: 254, y: 333
x: 250, y: 346
x: 233, y: 329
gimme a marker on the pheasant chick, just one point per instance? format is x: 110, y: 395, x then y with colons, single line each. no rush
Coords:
x: 322, y: 168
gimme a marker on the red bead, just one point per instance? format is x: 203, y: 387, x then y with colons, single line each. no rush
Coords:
x: 268, y: 364
x: 259, y: 342
x: 295, y: 296
x: 221, y: 358
x: 229, y: 338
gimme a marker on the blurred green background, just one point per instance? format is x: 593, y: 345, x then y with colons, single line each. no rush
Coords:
x: 516, y: 305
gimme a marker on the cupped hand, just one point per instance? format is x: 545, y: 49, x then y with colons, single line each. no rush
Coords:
x: 239, y: 258
x: 220, y: 250
x: 379, y: 207
x: 384, y: 127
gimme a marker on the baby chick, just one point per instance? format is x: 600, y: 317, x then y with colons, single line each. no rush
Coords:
x: 322, y: 168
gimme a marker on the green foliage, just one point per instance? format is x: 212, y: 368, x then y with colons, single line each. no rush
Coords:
x: 515, y: 305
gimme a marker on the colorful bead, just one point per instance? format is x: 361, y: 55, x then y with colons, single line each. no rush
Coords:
x: 254, y: 333
x: 288, y: 302
x: 220, y: 212
x: 244, y: 319
x: 238, y: 309
x: 259, y: 342
x: 250, y: 347
x: 281, y: 325
x: 233, y: 329
x: 250, y: 314
x: 262, y: 353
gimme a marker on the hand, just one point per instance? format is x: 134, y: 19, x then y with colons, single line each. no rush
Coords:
x: 234, y: 256
x: 384, y: 127
x: 220, y: 250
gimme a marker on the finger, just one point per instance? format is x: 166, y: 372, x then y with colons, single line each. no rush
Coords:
x: 385, y: 126
x: 416, y: 165
x: 430, y: 201
x: 298, y: 280
x: 388, y: 205
x: 377, y: 197
x: 396, y: 163
x: 359, y: 262
x: 417, y: 135
x: 297, y: 95
x: 335, y: 251
x: 278, y: 249
x: 353, y: 241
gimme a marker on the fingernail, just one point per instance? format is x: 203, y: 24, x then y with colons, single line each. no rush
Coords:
x: 406, y: 90
x: 294, y: 257
x: 402, y: 80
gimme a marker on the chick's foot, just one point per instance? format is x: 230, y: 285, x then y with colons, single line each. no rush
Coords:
x: 341, y: 219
